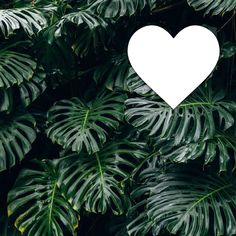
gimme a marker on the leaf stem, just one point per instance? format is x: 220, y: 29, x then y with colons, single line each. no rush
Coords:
x: 100, y: 171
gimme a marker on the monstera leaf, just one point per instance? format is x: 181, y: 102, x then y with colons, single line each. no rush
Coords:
x: 228, y: 49
x: 221, y: 148
x: 30, y: 3
x: 188, y: 202
x: 191, y: 120
x: 114, y: 70
x: 137, y: 85
x: 15, y: 68
x: 25, y: 93
x: 76, y: 124
x: 17, y: 133
x: 97, y: 182
x: 38, y: 205
x: 92, y: 30
x: 29, y: 19
x: 212, y: 6
x: 119, y: 8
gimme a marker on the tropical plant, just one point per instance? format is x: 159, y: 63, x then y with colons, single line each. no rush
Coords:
x: 87, y: 148
x: 199, y: 195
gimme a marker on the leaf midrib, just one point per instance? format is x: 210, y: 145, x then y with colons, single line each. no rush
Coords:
x: 100, y: 172
x: 195, y: 103
x: 85, y: 120
x: 205, y: 197
x: 51, y: 205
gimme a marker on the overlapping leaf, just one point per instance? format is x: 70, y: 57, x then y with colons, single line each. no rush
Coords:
x: 29, y: 19
x: 75, y: 124
x: 221, y: 148
x: 188, y: 202
x: 92, y: 30
x: 24, y: 94
x: 15, y: 68
x: 213, y: 7
x: 97, y: 182
x: 119, y: 8
x: 17, y: 133
x: 117, y: 73
x: 114, y: 70
x: 191, y: 120
x: 38, y: 204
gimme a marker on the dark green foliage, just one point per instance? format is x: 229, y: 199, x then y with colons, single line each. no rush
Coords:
x: 87, y: 148
x: 74, y: 124
x: 30, y: 20
x: 220, y: 148
x: 17, y: 133
x: 97, y: 182
x: 39, y: 205
x: 119, y: 8
x: 191, y: 120
x: 213, y: 7
x: 187, y: 201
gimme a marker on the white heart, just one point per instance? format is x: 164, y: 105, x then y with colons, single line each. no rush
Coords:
x: 173, y: 67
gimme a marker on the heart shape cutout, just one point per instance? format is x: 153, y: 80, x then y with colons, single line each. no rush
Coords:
x: 173, y: 67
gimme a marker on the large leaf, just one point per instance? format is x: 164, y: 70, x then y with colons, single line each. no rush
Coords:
x: 17, y: 133
x: 24, y: 94
x: 196, y: 117
x: 92, y: 30
x: 221, y: 148
x: 119, y: 8
x: 29, y: 19
x: 187, y: 202
x: 38, y: 205
x: 15, y: 68
x: 97, y: 182
x: 74, y: 123
x: 212, y: 6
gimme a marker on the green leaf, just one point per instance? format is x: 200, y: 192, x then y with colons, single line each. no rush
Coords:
x: 97, y: 181
x: 188, y: 202
x: 212, y: 6
x: 114, y: 70
x: 17, y: 133
x: 29, y: 19
x: 191, y: 120
x: 221, y: 148
x: 228, y: 50
x: 38, y: 205
x: 119, y: 8
x: 136, y: 85
x: 15, y: 68
x: 34, y: 3
x: 24, y: 94
x: 92, y: 30
x: 75, y: 124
